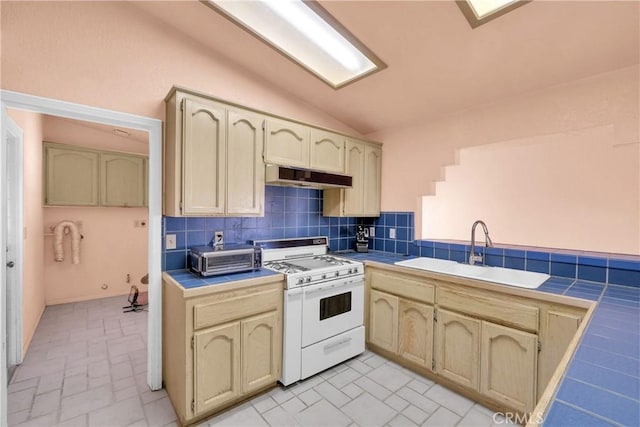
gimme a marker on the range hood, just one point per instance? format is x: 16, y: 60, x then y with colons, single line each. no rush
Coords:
x: 290, y: 176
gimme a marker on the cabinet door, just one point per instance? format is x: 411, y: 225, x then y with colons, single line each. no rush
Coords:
x: 458, y: 348
x: 509, y: 360
x: 203, y: 159
x: 122, y: 180
x: 327, y: 151
x: 558, y: 330
x: 371, y: 182
x: 71, y: 177
x: 353, y: 197
x: 245, y: 168
x: 216, y: 373
x: 261, y: 351
x: 383, y: 321
x: 286, y: 143
x: 415, y: 325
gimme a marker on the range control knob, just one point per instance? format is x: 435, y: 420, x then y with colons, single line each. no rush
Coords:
x: 324, y: 276
x: 307, y: 279
x: 337, y: 273
x: 300, y: 281
x: 355, y: 270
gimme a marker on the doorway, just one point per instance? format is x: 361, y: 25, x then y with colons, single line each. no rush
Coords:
x: 69, y: 110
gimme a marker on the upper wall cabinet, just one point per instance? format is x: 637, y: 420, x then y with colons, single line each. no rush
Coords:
x: 363, y: 162
x: 212, y: 158
x: 81, y: 177
x: 293, y: 144
x: 71, y: 176
x: 286, y: 143
x: 123, y: 180
x: 326, y: 151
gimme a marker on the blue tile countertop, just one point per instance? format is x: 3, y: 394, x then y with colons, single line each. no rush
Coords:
x: 601, y: 386
x: 189, y: 280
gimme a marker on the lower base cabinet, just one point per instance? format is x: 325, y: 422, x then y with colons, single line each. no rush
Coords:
x: 495, y: 346
x: 457, y: 348
x: 415, y: 332
x: 498, y: 361
x: 216, y: 362
x: 403, y: 327
x: 508, y: 366
x: 220, y: 348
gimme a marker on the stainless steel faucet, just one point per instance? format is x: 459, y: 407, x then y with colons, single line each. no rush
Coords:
x: 473, y: 258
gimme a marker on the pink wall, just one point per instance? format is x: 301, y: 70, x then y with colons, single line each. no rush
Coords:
x: 610, y: 99
x: 113, y: 247
x: 113, y: 55
x: 33, y: 292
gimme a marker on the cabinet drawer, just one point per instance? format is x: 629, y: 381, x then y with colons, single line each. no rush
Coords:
x: 499, y: 310
x: 225, y: 310
x: 406, y: 286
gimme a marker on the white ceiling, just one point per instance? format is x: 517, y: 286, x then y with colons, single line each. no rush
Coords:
x: 436, y: 63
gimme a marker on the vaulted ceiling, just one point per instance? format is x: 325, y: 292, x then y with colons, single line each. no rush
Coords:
x: 437, y: 63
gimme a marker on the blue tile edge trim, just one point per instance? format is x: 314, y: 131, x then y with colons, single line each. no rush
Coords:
x: 607, y: 269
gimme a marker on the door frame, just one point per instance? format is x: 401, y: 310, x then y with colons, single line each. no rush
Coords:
x: 21, y: 101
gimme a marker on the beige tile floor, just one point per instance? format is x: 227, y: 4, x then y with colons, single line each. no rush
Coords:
x: 86, y: 366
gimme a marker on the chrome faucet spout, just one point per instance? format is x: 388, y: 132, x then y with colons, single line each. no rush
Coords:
x: 473, y: 258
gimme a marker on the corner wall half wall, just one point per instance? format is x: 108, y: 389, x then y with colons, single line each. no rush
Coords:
x: 577, y: 190
x: 577, y: 183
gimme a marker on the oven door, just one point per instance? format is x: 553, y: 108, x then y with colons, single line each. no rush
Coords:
x: 331, y: 308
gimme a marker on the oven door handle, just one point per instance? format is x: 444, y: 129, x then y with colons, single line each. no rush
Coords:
x: 336, y: 344
x: 351, y: 283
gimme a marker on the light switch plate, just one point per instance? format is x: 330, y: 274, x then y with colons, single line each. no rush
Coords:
x: 372, y: 232
x: 170, y: 241
x: 392, y: 233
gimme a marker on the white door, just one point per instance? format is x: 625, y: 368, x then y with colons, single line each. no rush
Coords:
x: 10, y: 253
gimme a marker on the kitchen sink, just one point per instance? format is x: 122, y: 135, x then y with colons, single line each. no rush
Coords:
x: 504, y: 276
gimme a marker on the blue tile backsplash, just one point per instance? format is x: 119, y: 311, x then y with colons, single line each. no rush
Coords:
x: 289, y: 212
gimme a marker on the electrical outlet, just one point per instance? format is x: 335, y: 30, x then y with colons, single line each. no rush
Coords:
x: 218, y: 238
x: 170, y: 241
x: 372, y: 232
x: 392, y: 233
x: 140, y: 223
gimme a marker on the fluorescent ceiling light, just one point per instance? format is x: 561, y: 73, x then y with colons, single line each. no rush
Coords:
x: 480, y: 11
x: 483, y: 8
x: 305, y: 33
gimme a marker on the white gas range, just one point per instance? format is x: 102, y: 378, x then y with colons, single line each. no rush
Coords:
x: 323, y: 305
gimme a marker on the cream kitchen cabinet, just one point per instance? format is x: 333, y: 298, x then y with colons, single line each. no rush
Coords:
x: 508, y: 366
x: 457, y: 348
x: 220, y: 346
x: 71, y: 176
x: 383, y: 324
x: 400, y: 316
x: 492, y: 343
x: 123, y: 180
x: 216, y: 367
x: 415, y: 332
x: 212, y: 158
x: 286, y: 143
x: 74, y: 176
x: 363, y: 162
x: 326, y: 151
x: 292, y: 144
